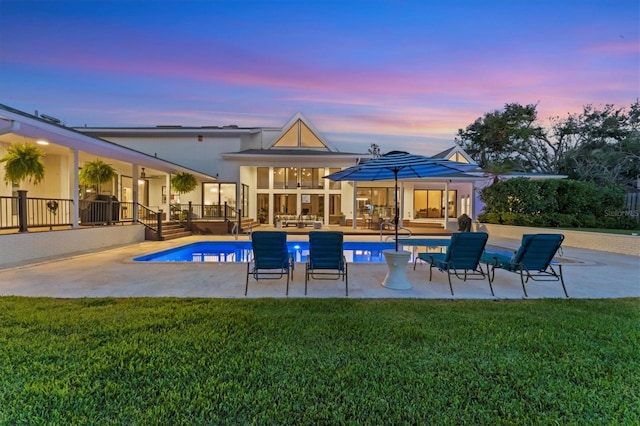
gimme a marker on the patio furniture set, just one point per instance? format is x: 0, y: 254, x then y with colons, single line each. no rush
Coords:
x: 465, y: 252
x: 301, y: 221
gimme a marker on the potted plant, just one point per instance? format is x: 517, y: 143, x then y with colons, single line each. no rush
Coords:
x: 96, y: 173
x: 23, y: 161
x: 183, y: 182
x: 343, y: 219
x: 278, y: 221
x: 95, y: 207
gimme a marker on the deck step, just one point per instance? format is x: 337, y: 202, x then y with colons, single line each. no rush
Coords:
x: 173, y: 230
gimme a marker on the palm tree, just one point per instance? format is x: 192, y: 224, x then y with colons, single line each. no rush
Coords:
x: 95, y: 173
x: 23, y: 161
x: 497, y: 169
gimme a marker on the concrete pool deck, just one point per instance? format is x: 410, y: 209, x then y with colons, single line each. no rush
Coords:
x: 112, y: 273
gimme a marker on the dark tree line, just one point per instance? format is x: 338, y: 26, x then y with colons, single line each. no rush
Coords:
x: 596, y: 145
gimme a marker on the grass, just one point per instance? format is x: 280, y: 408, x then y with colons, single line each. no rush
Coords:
x: 310, y: 361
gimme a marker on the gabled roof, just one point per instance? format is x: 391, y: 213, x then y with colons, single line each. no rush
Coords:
x: 298, y: 133
x: 455, y: 153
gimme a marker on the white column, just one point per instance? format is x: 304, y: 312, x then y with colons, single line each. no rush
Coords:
x: 134, y: 185
x: 167, y: 205
x: 446, y: 204
x: 75, y: 188
x: 401, y: 206
x: 354, y: 205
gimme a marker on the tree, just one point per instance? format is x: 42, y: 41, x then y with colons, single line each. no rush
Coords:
x: 23, y: 161
x: 604, y: 147
x: 96, y: 173
x: 510, y: 136
x: 600, y: 145
x: 183, y: 182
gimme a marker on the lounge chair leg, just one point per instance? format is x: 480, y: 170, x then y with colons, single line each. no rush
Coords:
x: 562, y: 280
x: 287, y: 292
x: 522, y: 280
x: 346, y: 280
x: 246, y: 284
x: 450, y: 285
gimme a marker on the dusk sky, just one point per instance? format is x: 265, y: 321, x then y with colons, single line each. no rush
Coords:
x: 402, y: 74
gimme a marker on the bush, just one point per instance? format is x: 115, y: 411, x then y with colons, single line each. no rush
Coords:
x: 554, y: 203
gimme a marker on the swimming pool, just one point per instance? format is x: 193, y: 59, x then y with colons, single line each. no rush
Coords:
x: 240, y: 251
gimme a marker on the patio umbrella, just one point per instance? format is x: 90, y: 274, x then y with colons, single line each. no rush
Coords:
x: 400, y: 165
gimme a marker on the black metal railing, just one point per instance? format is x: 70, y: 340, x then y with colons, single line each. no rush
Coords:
x: 37, y: 212
x: 150, y: 219
x: 24, y: 212
x: 9, y: 212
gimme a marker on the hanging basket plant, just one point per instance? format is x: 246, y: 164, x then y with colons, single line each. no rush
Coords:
x: 97, y: 172
x: 183, y: 182
x: 23, y: 161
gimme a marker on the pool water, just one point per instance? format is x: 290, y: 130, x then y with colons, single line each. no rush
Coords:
x: 240, y: 251
x: 354, y: 251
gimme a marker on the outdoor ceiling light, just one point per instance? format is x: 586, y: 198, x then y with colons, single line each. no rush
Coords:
x: 42, y: 142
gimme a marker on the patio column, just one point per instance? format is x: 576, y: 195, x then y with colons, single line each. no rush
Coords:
x: 401, y: 207
x: 135, y: 192
x: 446, y: 204
x: 354, y: 205
x: 75, y: 212
x: 166, y: 206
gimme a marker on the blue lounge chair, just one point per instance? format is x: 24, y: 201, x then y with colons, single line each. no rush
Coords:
x: 533, y: 260
x: 271, y: 257
x: 326, y: 260
x: 461, y: 259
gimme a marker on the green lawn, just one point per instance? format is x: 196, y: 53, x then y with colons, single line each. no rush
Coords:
x: 319, y: 362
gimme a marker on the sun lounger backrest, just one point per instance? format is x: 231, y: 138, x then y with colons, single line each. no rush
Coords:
x: 325, y: 249
x: 465, y: 249
x: 270, y: 249
x: 537, y: 250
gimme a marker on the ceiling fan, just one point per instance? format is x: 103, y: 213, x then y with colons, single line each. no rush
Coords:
x: 143, y: 175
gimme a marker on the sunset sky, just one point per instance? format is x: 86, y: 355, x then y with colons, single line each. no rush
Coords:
x: 402, y: 74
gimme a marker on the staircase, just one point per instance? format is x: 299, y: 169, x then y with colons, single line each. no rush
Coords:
x: 172, y: 230
x: 248, y: 224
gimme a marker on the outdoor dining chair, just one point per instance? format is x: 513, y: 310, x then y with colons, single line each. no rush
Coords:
x: 533, y: 260
x: 462, y: 258
x: 271, y: 258
x: 326, y: 260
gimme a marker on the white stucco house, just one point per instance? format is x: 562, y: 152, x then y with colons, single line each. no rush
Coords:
x: 267, y: 172
x: 262, y: 173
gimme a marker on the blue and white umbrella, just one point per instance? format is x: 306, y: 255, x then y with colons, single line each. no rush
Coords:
x: 396, y: 165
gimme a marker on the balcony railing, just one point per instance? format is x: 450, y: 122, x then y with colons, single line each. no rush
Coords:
x: 24, y: 212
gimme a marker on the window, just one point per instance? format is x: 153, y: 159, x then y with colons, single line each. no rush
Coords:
x: 376, y: 201
x: 429, y: 203
x: 262, y: 203
x: 263, y: 178
x: 334, y: 184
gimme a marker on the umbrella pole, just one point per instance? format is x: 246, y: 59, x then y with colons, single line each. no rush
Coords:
x: 395, y: 172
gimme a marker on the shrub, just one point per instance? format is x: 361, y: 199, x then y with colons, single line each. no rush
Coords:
x: 554, y: 203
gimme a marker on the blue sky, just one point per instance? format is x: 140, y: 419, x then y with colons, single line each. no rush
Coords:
x: 402, y: 74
